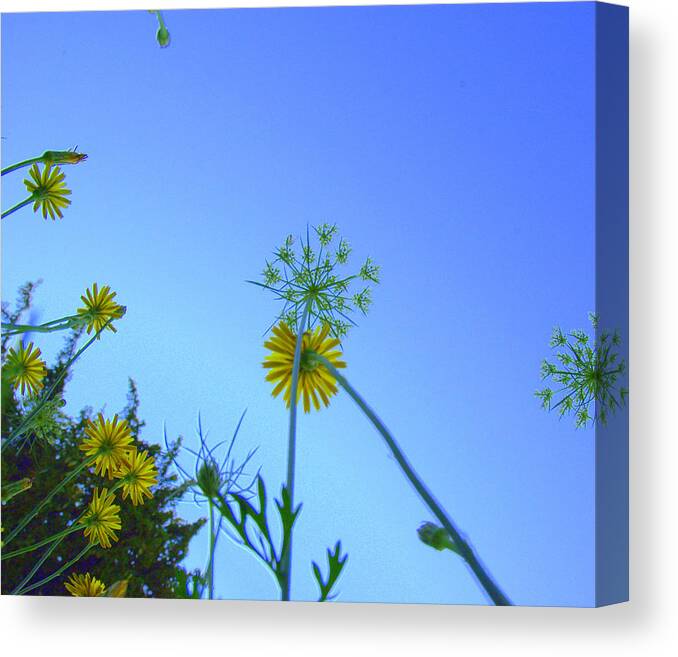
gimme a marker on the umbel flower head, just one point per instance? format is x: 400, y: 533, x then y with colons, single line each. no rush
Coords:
x: 108, y: 442
x: 85, y: 586
x: 316, y: 384
x: 137, y: 473
x: 24, y: 369
x: 100, y: 308
x: 102, y: 518
x: 48, y: 190
x: 314, y: 275
x: 586, y: 372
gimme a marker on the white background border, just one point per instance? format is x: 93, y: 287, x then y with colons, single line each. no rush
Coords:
x: 647, y: 625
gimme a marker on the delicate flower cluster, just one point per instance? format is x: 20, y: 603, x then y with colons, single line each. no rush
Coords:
x: 316, y: 384
x: 587, y: 372
x: 108, y: 445
x: 313, y: 276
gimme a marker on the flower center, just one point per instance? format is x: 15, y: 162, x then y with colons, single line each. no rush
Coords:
x: 308, y: 363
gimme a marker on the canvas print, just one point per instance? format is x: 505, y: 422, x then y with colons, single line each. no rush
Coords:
x: 316, y: 304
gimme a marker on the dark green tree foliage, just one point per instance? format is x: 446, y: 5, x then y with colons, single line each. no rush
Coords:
x: 153, y: 540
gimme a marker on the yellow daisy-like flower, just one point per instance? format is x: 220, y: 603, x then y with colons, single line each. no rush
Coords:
x: 99, y: 308
x: 102, y: 518
x: 316, y: 384
x: 24, y: 368
x: 137, y: 473
x: 85, y: 586
x: 108, y: 441
x: 48, y: 190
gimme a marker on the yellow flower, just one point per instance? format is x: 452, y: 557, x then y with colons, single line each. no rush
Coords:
x: 48, y: 190
x: 102, y: 518
x: 315, y: 382
x: 25, y: 369
x: 99, y: 308
x: 107, y: 441
x: 137, y: 473
x: 85, y: 586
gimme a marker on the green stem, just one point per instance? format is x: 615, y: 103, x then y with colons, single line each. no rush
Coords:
x: 286, y: 557
x: 56, y: 573
x: 37, y: 565
x: 29, y: 548
x: 23, y: 163
x: 161, y: 22
x: 36, y: 509
x: 28, y: 419
x: 18, y: 206
x: 47, y: 327
x: 465, y: 549
x: 210, y: 567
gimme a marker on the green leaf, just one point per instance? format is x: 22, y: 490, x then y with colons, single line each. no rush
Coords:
x: 335, y: 561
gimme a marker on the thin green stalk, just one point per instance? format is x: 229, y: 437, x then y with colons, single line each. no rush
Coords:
x: 54, y: 325
x: 37, y: 565
x: 28, y: 419
x: 23, y: 163
x: 38, y: 507
x: 54, y: 546
x: 286, y: 557
x: 210, y: 567
x: 29, y: 548
x: 58, y: 572
x: 464, y: 548
x: 18, y: 206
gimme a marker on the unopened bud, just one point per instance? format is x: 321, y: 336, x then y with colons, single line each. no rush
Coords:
x: 435, y: 536
x: 163, y: 36
x: 63, y: 157
x: 209, y: 479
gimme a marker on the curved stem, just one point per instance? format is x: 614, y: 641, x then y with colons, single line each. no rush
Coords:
x: 38, y: 507
x: 23, y: 163
x: 16, y: 207
x: 465, y: 550
x: 29, y: 548
x: 286, y: 557
x: 56, y: 573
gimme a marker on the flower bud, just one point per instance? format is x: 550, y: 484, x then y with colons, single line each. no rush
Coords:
x: 163, y: 36
x: 63, y: 157
x: 209, y: 479
x: 435, y: 536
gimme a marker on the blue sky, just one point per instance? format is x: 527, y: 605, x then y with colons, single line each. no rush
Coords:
x: 453, y: 144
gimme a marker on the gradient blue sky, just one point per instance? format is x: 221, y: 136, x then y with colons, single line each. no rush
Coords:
x: 453, y: 144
